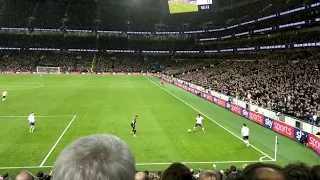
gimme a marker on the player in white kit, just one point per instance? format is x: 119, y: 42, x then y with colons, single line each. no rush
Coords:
x: 4, y: 95
x: 32, y: 121
x: 199, y: 122
x: 245, y: 131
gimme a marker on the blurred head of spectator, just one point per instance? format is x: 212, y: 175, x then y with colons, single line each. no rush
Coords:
x: 315, y: 172
x: 209, y: 175
x: 4, y: 176
x: 177, y: 171
x: 262, y: 171
x: 232, y: 173
x: 95, y: 157
x: 141, y: 176
x: 297, y: 171
x: 25, y: 175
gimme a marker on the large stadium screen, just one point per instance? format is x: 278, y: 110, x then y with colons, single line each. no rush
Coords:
x: 183, y: 6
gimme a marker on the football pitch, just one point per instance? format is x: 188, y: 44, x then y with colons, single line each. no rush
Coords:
x: 71, y: 106
x: 182, y: 7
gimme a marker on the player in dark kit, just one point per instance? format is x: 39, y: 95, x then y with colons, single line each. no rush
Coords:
x: 133, y: 125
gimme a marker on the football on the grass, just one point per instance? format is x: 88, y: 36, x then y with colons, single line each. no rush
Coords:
x: 189, y: 130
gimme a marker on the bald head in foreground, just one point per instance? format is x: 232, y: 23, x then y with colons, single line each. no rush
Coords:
x: 141, y: 176
x: 95, y: 157
x: 24, y: 175
x: 262, y: 171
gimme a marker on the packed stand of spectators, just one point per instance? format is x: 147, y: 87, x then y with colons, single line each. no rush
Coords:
x: 103, y: 156
x: 287, y: 83
x: 81, y: 62
x: 29, y: 61
x: 280, y: 84
x: 135, y: 63
x: 180, y: 66
x: 17, y: 62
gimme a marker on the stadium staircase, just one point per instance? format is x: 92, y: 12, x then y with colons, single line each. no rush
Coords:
x: 93, y: 63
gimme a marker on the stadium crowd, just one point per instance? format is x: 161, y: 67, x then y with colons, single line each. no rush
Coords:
x: 276, y: 83
x: 19, y: 62
x: 103, y: 156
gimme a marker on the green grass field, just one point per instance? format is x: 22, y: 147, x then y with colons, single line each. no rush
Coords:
x: 182, y: 7
x: 71, y: 106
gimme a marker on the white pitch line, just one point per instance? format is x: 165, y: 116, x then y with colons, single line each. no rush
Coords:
x: 54, y: 146
x: 207, y: 117
x: 24, y: 167
x: 261, y: 159
x: 98, y: 86
x: 38, y: 116
x: 146, y: 164
x: 213, y: 162
x: 22, y: 88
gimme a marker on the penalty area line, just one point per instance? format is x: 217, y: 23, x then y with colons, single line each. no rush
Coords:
x: 146, y: 164
x: 54, y: 146
x: 206, y: 116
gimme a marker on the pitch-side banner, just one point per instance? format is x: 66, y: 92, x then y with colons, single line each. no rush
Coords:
x: 9, y: 72
x: 220, y: 102
x: 283, y: 129
x: 298, y: 134
x: 268, y: 122
x: 236, y: 109
x: 74, y: 72
x: 209, y: 97
x: 256, y: 117
x: 314, y: 143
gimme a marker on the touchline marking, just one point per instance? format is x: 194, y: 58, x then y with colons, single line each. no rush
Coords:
x: 22, y: 167
x: 17, y: 88
x: 54, y: 146
x: 208, y: 117
x: 38, y: 116
x: 147, y: 164
x: 98, y: 86
x: 213, y: 162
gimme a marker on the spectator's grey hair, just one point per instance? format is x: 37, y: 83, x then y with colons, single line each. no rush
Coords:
x: 98, y: 157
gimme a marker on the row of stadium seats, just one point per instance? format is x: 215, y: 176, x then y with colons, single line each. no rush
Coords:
x: 109, y: 157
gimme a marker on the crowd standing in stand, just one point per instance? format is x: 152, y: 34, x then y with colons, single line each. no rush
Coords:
x: 279, y: 84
